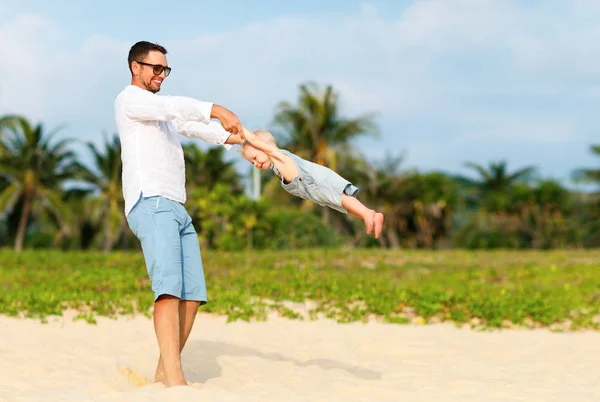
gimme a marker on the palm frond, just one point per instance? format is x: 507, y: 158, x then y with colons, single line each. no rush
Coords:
x: 52, y: 200
x: 483, y: 173
x: 10, y: 196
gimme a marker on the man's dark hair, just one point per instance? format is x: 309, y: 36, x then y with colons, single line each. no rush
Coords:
x: 141, y: 49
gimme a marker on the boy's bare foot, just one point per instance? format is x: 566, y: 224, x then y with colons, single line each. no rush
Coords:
x: 370, y: 221
x: 378, y: 224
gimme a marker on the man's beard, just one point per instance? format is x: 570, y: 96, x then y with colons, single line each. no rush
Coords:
x: 150, y: 87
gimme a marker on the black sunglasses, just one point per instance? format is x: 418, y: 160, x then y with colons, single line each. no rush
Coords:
x: 157, y: 69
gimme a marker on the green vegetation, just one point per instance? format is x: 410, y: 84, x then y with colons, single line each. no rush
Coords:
x: 72, y: 248
x: 50, y: 199
x: 490, y: 289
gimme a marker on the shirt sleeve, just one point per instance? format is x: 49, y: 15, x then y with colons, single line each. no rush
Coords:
x: 144, y: 106
x: 212, y: 133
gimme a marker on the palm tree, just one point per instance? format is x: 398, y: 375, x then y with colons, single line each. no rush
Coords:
x: 207, y: 168
x: 35, y: 168
x: 589, y: 175
x: 314, y: 129
x: 106, y: 178
x: 383, y: 186
x: 495, y: 181
x: 496, y: 177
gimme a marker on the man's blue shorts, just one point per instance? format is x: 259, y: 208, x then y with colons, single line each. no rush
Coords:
x: 170, y: 246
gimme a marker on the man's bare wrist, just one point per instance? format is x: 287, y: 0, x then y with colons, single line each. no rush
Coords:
x: 216, y: 112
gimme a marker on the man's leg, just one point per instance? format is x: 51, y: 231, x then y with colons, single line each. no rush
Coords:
x: 162, y: 250
x: 157, y: 225
x: 167, y: 328
x: 193, y: 287
x: 187, y: 315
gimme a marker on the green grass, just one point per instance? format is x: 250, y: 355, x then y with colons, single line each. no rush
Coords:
x: 557, y: 289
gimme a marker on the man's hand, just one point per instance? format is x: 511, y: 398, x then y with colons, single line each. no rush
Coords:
x: 228, y: 119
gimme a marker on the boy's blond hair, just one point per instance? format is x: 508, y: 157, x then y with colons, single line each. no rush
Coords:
x: 263, y: 135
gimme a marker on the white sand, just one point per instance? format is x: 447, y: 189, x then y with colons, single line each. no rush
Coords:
x: 286, y: 360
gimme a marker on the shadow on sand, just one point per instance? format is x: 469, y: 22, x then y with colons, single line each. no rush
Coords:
x: 200, y: 361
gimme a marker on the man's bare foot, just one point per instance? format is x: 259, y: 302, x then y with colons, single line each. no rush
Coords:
x: 159, y: 375
x: 370, y: 221
x: 166, y: 384
x: 161, y: 378
x: 378, y: 224
x: 179, y: 384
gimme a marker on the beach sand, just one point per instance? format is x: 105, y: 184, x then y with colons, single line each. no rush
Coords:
x: 289, y: 360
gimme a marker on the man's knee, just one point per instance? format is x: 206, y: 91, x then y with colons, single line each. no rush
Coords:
x: 166, y: 296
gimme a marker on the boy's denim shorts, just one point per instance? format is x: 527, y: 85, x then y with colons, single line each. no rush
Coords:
x: 322, y: 186
x: 170, y: 247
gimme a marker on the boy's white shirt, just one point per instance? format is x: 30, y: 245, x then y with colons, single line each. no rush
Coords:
x: 149, y: 127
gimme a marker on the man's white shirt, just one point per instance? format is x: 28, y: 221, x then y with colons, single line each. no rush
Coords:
x: 149, y: 127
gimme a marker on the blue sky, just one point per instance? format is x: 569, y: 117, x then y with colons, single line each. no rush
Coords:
x: 450, y: 80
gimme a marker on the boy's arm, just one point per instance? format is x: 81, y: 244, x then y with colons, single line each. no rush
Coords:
x: 256, y: 142
x: 286, y: 166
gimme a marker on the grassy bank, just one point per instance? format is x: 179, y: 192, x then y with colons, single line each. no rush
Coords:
x: 559, y: 289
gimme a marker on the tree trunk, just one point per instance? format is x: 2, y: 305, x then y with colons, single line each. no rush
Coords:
x: 393, y: 239
x: 326, y: 215
x: 381, y: 241
x: 107, y: 239
x: 23, y: 221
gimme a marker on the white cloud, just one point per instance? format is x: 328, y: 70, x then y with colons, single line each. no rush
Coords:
x: 430, y: 63
x: 22, y: 68
x: 45, y: 79
x: 395, y: 67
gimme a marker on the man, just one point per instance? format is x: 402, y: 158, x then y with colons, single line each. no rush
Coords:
x: 149, y: 127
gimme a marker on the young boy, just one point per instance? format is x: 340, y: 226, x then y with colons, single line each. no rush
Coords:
x: 306, y: 179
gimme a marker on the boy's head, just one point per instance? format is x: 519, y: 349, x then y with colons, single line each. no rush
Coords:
x: 255, y: 156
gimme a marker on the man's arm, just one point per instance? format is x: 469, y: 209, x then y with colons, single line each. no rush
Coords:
x: 211, y: 133
x: 142, y: 105
x: 228, y: 119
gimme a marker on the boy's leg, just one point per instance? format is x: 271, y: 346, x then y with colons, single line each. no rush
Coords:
x: 372, y: 218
